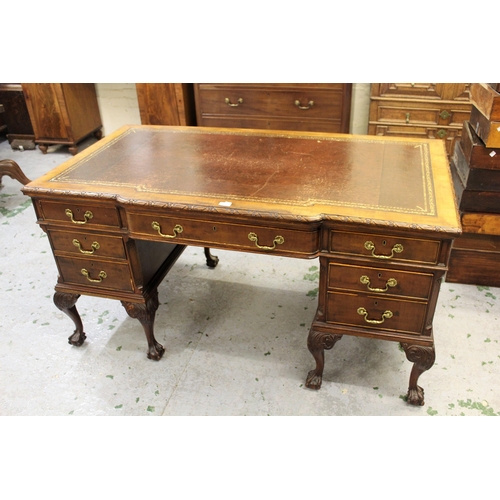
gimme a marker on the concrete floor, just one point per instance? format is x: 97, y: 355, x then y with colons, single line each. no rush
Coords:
x: 235, y: 338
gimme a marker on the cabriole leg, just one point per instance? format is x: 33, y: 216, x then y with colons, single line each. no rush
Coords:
x: 422, y: 358
x: 317, y: 342
x: 66, y: 303
x: 212, y: 260
x: 145, y: 313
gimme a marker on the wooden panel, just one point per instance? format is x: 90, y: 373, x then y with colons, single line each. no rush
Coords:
x: 475, y: 152
x: 82, y: 107
x: 475, y: 260
x: 47, y: 115
x: 488, y: 131
x: 426, y: 91
x: 487, y: 100
x: 473, y: 178
x: 166, y: 103
x: 481, y: 223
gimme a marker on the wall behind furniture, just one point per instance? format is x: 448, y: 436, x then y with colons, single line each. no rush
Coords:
x: 119, y: 106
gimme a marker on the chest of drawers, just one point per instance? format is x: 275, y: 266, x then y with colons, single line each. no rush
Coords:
x: 300, y: 106
x: 432, y: 110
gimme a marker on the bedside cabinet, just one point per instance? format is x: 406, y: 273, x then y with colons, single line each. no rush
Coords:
x: 62, y: 113
x: 313, y: 107
x: 420, y: 110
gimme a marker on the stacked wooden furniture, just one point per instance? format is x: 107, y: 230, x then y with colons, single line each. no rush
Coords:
x: 62, y: 113
x: 475, y: 257
x: 166, y: 103
x: 313, y: 107
x: 433, y: 110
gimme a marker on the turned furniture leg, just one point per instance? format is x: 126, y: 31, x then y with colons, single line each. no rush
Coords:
x: 422, y: 358
x: 66, y: 303
x: 98, y: 134
x: 73, y: 149
x: 13, y: 170
x: 43, y: 148
x: 212, y: 260
x: 145, y: 313
x: 317, y: 342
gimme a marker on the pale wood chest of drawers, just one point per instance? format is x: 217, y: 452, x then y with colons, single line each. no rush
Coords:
x: 433, y: 110
x: 313, y: 107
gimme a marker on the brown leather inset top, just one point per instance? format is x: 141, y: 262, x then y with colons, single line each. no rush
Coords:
x: 304, y: 175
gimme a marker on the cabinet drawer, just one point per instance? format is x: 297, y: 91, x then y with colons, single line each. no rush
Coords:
x: 376, y: 313
x: 297, y: 103
x: 99, y: 274
x: 384, y: 247
x: 79, y: 215
x: 224, y: 235
x: 379, y: 280
x: 87, y: 243
x: 419, y: 115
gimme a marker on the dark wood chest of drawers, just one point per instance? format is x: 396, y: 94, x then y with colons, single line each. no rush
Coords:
x: 278, y: 106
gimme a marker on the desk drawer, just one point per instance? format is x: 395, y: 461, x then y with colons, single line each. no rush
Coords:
x: 243, y: 237
x: 379, y: 280
x: 80, y: 215
x: 99, y: 274
x: 377, y: 313
x: 87, y: 243
x: 384, y: 247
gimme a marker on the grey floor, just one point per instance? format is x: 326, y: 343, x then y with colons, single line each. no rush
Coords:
x: 235, y: 339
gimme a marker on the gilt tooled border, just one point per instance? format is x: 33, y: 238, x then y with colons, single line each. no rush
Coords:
x: 427, y: 182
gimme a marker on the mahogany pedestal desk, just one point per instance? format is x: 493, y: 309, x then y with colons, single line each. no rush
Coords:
x: 379, y: 212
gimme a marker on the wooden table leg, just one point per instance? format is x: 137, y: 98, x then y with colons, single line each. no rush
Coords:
x: 145, y: 313
x: 317, y: 342
x: 12, y: 169
x: 422, y: 358
x: 66, y: 303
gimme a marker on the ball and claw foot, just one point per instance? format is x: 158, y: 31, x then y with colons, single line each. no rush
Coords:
x: 212, y: 260
x: 313, y: 380
x: 155, y: 352
x: 77, y: 339
x: 415, y: 397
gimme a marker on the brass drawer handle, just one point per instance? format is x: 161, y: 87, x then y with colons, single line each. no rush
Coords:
x: 407, y: 117
x: 310, y: 104
x: 391, y: 282
x: 95, y: 246
x: 102, y: 275
x: 279, y: 240
x: 397, y: 248
x: 87, y: 216
x: 177, y: 230
x: 363, y: 312
x: 229, y: 103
